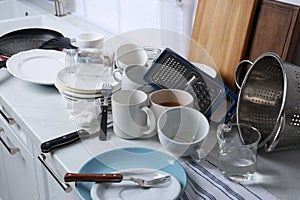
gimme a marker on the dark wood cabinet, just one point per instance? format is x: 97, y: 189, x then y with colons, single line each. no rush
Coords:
x: 275, y: 28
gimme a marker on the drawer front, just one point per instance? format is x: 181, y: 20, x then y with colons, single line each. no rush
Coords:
x: 19, y: 166
x: 12, y: 142
x: 11, y: 122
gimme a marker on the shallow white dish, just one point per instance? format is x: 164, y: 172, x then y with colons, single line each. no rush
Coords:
x: 85, y: 78
x: 36, y: 65
x: 129, y: 190
x: 71, y: 96
x: 77, y: 95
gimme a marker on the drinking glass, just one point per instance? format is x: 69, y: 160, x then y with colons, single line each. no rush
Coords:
x: 237, y: 150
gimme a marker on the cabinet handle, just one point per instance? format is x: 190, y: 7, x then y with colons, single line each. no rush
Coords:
x: 65, y: 187
x: 9, y: 120
x: 11, y: 150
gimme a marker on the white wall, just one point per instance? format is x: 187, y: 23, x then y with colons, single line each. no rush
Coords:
x: 121, y: 16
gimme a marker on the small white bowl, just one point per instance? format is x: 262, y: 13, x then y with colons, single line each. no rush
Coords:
x: 89, y: 40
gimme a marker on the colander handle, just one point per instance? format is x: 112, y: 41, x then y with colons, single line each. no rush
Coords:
x: 238, y: 69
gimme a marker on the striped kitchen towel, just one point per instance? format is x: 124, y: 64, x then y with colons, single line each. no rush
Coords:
x: 204, y: 181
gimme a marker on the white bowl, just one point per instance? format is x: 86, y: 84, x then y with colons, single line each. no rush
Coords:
x: 89, y: 40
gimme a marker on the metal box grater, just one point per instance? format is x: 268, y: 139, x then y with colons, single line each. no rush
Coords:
x: 170, y: 70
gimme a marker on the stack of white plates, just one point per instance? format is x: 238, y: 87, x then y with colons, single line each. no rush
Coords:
x: 84, y: 81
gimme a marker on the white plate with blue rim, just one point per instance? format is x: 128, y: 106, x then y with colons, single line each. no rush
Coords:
x: 128, y: 159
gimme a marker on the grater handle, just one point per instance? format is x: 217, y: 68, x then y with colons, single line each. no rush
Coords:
x: 232, y: 108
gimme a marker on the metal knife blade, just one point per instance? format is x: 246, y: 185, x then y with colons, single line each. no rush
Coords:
x: 64, y: 140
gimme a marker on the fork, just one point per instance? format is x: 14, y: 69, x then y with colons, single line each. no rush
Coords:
x: 106, y: 92
x: 116, y: 178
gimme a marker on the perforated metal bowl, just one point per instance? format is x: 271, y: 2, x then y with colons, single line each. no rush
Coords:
x: 269, y: 99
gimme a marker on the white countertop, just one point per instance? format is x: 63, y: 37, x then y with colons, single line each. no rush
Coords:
x: 43, y: 111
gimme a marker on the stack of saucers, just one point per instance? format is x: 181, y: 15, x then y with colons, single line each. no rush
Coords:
x: 84, y: 82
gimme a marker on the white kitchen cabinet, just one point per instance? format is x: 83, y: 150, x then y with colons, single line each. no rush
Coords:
x: 51, y: 187
x: 56, y: 192
x: 3, y: 186
x: 22, y: 175
x: 17, y: 165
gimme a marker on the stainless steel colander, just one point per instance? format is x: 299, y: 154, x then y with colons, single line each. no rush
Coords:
x: 269, y: 99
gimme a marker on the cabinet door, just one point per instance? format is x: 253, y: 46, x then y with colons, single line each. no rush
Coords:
x: 54, y: 191
x: 3, y: 187
x: 48, y: 184
x: 276, y: 30
x: 20, y: 169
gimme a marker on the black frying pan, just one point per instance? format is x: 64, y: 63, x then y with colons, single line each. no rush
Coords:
x: 23, y: 40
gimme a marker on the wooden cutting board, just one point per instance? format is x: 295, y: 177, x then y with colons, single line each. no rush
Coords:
x: 220, y: 34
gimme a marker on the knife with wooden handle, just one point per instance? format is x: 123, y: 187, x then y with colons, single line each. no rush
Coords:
x: 64, y: 140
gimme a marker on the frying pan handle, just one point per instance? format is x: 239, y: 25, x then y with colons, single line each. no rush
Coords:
x: 238, y: 70
x: 2, y: 64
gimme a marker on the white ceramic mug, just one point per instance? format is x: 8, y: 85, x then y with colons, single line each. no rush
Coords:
x: 164, y: 99
x: 131, y: 78
x: 182, y: 130
x: 129, y: 54
x: 131, y: 116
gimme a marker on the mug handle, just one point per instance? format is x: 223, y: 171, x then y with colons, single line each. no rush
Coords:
x: 151, y: 121
x: 117, y: 71
x: 198, y: 155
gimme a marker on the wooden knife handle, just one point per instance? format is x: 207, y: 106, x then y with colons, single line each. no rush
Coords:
x: 74, y: 177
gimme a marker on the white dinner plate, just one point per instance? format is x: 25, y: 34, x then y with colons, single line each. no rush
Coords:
x: 127, y: 190
x: 36, y: 65
x: 86, y: 78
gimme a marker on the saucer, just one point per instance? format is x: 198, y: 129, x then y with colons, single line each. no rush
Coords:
x: 85, y: 78
x: 129, y: 190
